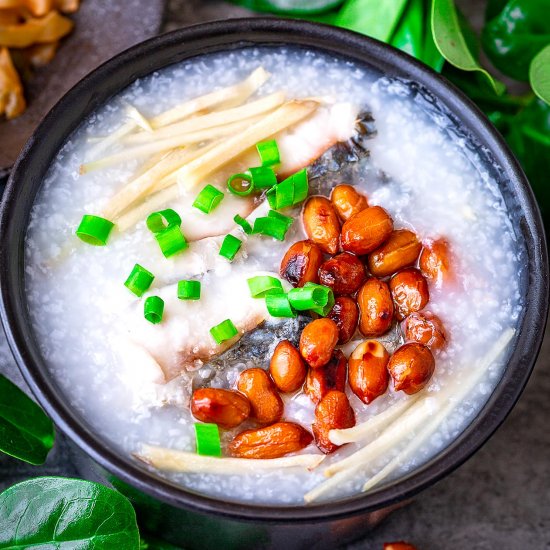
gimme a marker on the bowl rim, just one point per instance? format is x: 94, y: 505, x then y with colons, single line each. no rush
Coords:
x: 163, y: 50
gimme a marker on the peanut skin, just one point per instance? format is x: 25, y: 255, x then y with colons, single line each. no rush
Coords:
x: 409, y: 290
x: 267, y: 406
x: 330, y: 377
x: 425, y: 328
x: 287, y: 367
x: 399, y: 251
x: 301, y: 263
x: 376, y: 307
x: 411, y: 367
x: 332, y: 412
x: 345, y: 314
x: 366, y: 230
x: 347, y: 201
x: 227, y: 408
x: 321, y: 224
x: 317, y: 342
x: 344, y: 273
x: 272, y: 441
x: 368, y: 373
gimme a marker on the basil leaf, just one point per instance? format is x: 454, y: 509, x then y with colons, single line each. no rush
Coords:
x: 53, y: 512
x: 539, y: 74
x: 453, y: 39
x: 409, y: 35
x: 375, y: 18
x: 516, y: 35
x: 26, y: 432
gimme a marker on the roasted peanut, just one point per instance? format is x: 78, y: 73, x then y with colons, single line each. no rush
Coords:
x: 411, y: 367
x: 330, y: 377
x: 345, y: 314
x: 271, y: 441
x: 317, y: 342
x: 425, y: 328
x: 409, y: 290
x: 266, y: 404
x: 287, y: 367
x: 435, y: 261
x: 227, y: 408
x: 399, y: 251
x: 321, y: 224
x: 347, y: 201
x: 366, y: 230
x: 301, y: 263
x: 344, y: 273
x: 398, y: 546
x: 368, y: 375
x: 332, y: 412
x: 376, y: 307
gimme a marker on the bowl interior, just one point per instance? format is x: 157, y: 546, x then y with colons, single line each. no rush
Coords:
x: 433, y: 92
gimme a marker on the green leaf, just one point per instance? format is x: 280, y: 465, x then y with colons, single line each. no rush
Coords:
x: 452, y: 40
x: 26, y: 432
x: 431, y: 55
x: 539, y: 74
x: 493, y: 8
x: 513, y: 37
x: 375, y: 18
x: 290, y: 7
x: 409, y: 35
x: 63, y: 514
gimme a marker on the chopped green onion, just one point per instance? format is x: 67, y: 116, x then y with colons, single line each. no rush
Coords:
x: 224, y: 331
x: 189, y: 290
x: 240, y: 184
x: 207, y: 437
x: 269, y: 152
x: 230, y: 247
x: 139, y: 280
x: 272, y: 227
x: 264, y: 284
x: 246, y: 227
x: 278, y: 305
x: 286, y: 219
x: 311, y: 297
x: 94, y: 230
x: 159, y: 221
x: 153, y: 309
x: 171, y: 241
x: 263, y: 177
x: 289, y: 192
x: 208, y: 199
x: 322, y: 310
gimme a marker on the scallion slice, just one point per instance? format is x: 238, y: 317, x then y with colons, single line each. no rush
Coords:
x: 94, y: 230
x: 289, y: 192
x: 281, y: 217
x: 322, y: 310
x: 207, y: 437
x: 240, y: 184
x: 269, y: 152
x: 224, y: 331
x: 264, y: 284
x: 208, y: 199
x: 278, y: 305
x: 159, y: 221
x: 306, y: 298
x: 189, y: 290
x: 153, y: 309
x: 245, y: 226
x: 230, y: 246
x: 263, y: 177
x: 272, y: 227
x: 139, y: 280
x: 171, y: 240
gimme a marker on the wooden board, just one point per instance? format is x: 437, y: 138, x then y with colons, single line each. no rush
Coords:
x: 103, y: 28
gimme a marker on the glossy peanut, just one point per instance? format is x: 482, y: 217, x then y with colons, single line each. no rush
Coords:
x: 330, y: 377
x: 321, y: 224
x: 317, y: 342
x: 345, y: 314
x: 409, y: 290
x: 333, y: 412
x: 266, y: 404
x: 347, y: 201
x: 435, y: 262
x: 376, y: 307
x: 344, y: 273
x: 226, y: 408
x: 425, y: 328
x: 411, y: 367
x: 398, y: 546
x: 368, y: 375
x: 287, y: 368
x: 399, y: 251
x: 366, y: 230
x: 272, y: 441
x: 301, y: 263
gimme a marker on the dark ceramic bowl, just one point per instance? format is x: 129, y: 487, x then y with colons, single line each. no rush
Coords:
x: 189, y: 518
